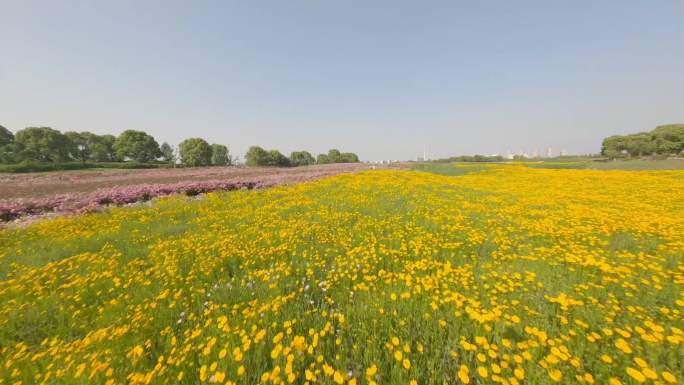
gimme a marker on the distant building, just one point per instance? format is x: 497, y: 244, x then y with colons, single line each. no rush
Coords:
x: 549, y: 152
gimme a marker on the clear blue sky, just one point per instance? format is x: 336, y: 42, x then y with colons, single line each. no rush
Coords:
x: 380, y: 78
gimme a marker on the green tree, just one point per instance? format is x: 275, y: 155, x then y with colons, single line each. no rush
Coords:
x: 349, y: 157
x: 137, y: 145
x: 42, y: 144
x: 168, y: 154
x: 220, y: 155
x: 82, y: 144
x: 614, y: 146
x: 6, y: 136
x: 256, y: 156
x: 277, y: 159
x: 195, y: 152
x: 301, y: 158
x: 639, y: 144
x: 103, y: 149
x: 669, y: 139
x: 334, y: 156
x: 7, y: 146
x: 322, y: 159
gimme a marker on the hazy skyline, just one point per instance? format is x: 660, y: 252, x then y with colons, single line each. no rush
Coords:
x: 377, y: 78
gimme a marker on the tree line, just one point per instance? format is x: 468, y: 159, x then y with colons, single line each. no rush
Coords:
x: 663, y: 140
x: 47, y: 145
x: 257, y: 156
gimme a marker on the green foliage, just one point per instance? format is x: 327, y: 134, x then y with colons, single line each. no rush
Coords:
x: 6, y: 136
x: 195, y: 152
x: 663, y: 140
x: 322, y: 159
x: 277, y: 159
x: 301, y: 158
x: 102, y: 150
x: 335, y: 156
x: 256, y: 156
x: 137, y: 145
x: 219, y: 155
x: 349, y: 157
x: 168, y: 154
x: 42, y: 144
x: 7, y: 146
x: 25, y: 167
x: 82, y: 145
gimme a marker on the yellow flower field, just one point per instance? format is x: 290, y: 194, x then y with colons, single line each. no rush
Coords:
x: 507, y: 275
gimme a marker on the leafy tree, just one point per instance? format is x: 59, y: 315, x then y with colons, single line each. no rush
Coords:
x: 219, y: 155
x: 7, y: 147
x: 168, y: 154
x: 42, y: 144
x: 349, y: 157
x: 103, y: 149
x: 614, y: 146
x: 640, y: 144
x: 334, y: 156
x: 137, y: 145
x: 82, y: 144
x: 301, y: 158
x: 669, y: 139
x: 195, y: 152
x: 323, y: 159
x: 6, y: 136
x: 277, y: 159
x: 256, y: 156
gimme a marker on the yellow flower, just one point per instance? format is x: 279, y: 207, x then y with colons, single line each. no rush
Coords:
x: 219, y: 376
x: 555, y: 375
x: 406, y: 363
x: 463, y: 374
x: 398, y: 355
x: 519, y: 373
x: 669, y: 377
x: 635, y: 374
x: 482, y: 371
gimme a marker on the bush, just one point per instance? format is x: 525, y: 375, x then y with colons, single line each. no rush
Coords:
x: 26, y: 167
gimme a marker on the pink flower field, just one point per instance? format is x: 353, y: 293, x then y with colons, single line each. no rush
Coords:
x: 79, y: 192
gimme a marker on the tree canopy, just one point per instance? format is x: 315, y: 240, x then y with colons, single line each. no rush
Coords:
x: 335, y: 156
x: 168, y: 154
x: 137, y: 145
x: 195, y: 152
x: 219, y: 155
x: 6, y: 136
x: 301, y: 158
x: 663, y: 140
x: 42, y: 144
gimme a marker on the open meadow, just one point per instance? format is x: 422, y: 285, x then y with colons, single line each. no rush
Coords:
x: 494, y: 274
